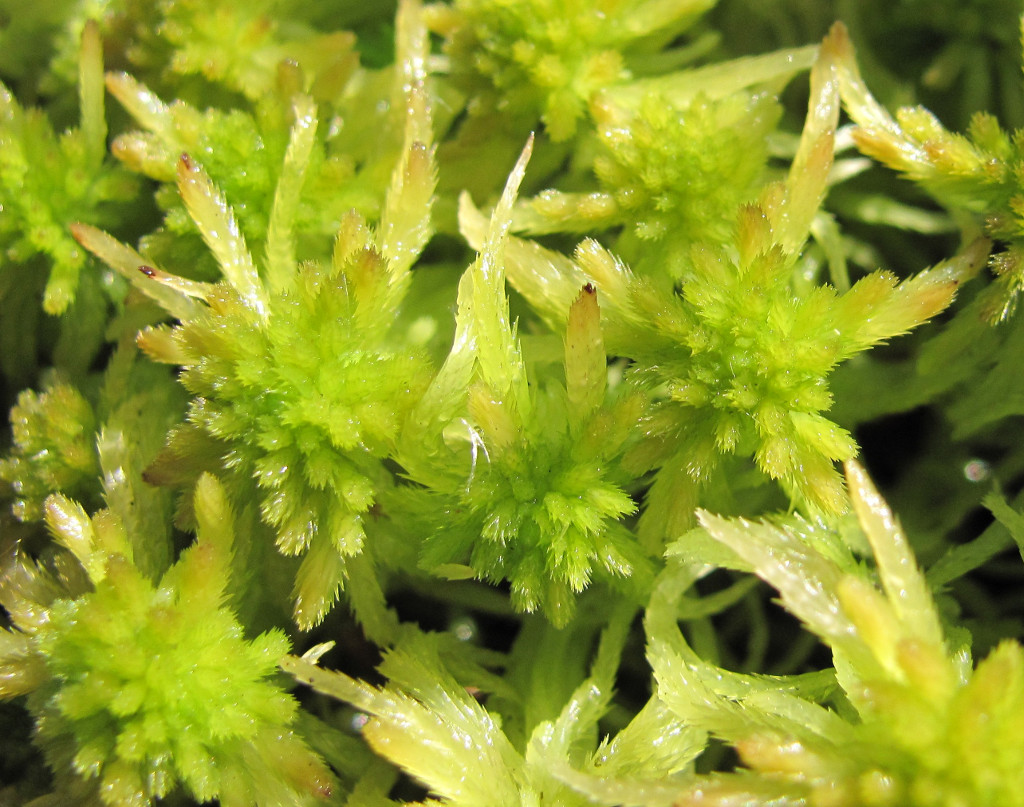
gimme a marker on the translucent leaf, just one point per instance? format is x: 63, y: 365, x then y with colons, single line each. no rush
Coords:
x: 902, y: 580
x: 718, y: 80
x: 220, y: 232
x: 805, y: 579
x: 405, y: 221
x: 280, y: 246
x: 430, y: 726
x: 808, y: 173
x: 586, y: 373
x: 172, y: 297
x: 498, y: 354
x: 73, y: 529
x: 90, y: 91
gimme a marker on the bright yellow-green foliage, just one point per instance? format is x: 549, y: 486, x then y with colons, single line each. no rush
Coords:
x: 306, y: 399
x: 737, y: 363
x: 301, y: 378
x: 669, y: 175
x: 545, y: 59
x: 142, y: 686
x: 337, y: 381
x: 94, y: 447
x: 54, y: 432
x: 302, y: 386
x: 459, y: 750
x: 745, y: 363
x: 981, y: 173
x: 197, y: 32
x: 928, y: 729
x: 335, y: 179
x: 47, y: 182
x: 533, y: 494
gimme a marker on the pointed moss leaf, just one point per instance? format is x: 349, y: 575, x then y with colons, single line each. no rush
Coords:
x: 717, y: 80
x: 160, y: 345
x: 411, y: 52
x: 318, y: 582
x: 532, y: 490
x: 90, y: 91
x: 913, y: 700
x: 549, y: 280
x: 661, y: 623
x: 143, y: 105
x: 303, y: 385
x: 498, y: 354
x: 136, y: 268
x: 741, y: 358
x: 739, y: 708
x: 964, y: 558
x: 586, y: 374
x: 901, y: 579
x: 977, y: 173
x: 316, y: 400
x: 809, y: 171
x: 280, y: 246
x: 143, y: 509
x: 910, y: 745
x: 916, y: 143
x: 733, y: 706
x: 405, y: 220
x: 213, y: 516
x: 877, y: 308
x: 217, y: 223
x: 73, y: 529
x: 431, y: 727
x: 405, y: 224
x: 654, y: 744
x: 28, y: 588
x: 724, y: 397
x: 805, y: 579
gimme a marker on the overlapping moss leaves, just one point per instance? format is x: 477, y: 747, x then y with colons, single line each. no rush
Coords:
x: 255, y: 318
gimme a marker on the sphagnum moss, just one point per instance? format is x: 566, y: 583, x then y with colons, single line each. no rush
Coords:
x: 408, y: 427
